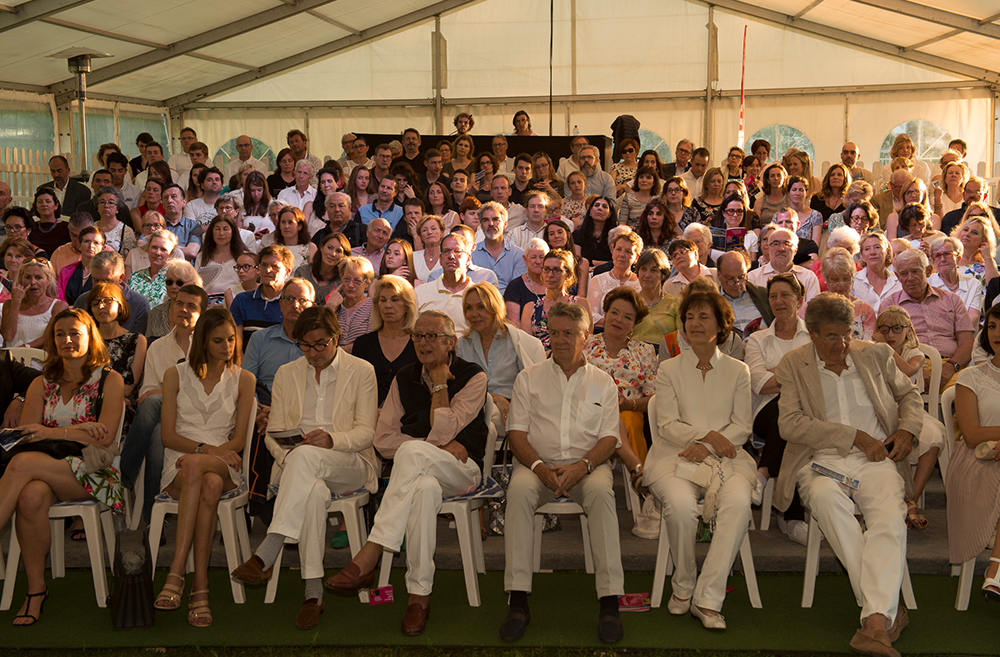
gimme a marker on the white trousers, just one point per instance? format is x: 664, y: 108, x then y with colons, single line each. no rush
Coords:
x: 678, y: 500
x: 873, y: 558
x: 421, y: 475
x: 311, y: 473
x: 595, y: 493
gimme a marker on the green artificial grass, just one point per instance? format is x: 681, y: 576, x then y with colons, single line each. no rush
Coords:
x: 564, y: 613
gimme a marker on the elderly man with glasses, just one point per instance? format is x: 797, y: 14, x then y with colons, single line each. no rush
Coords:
x: 782, y: 245
x: 433, y: 426
x: 330, y: 397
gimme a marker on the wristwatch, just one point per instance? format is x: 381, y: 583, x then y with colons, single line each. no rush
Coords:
x: 438, y: 388
x: 198, y: 449
x: 590, y: 468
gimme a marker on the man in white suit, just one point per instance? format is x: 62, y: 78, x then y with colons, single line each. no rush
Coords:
x: 332, y: 398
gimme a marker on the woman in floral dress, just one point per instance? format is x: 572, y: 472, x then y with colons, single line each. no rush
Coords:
x: 68, y: 403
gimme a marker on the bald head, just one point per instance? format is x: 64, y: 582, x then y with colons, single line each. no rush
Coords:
x: 379, y: 232
x: 849, y: 154
x: 244, y: 147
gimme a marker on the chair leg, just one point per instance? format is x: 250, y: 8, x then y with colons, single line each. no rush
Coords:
x: 57, y: 548
x: 243, y: 534
x: 272, y: 584
x: 477, y: 545
x: 465, y: 527
x: 107, y: 523
x: 660, y: 570
x: 13, y: 557
x: 92, y: 525
x: 230, y: 540
x: 911, y: 602
x: 385, y: 569
x: 140, y: 498
x: 964, y: 585
x: 3, y: 566
x: 749, y: 572
x: 537, y: 549
x: 765, y: 505
x: 588, y: 553
x: 155, y: 531
x: 812, y: 562
x: 355, y: 527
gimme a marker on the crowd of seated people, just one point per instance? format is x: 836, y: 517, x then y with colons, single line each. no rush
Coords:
x: 380, y: 300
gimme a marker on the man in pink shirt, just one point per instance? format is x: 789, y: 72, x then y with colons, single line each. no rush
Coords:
x: 939, y: 316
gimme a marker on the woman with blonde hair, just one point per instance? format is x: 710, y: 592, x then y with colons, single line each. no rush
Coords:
x: 711, y: 194
x: 875, y: 282
x: 978, y: 234
x: 388, y: 346
x: 33, y: 302
x: 354, y: 309
x: 903, y: 146
x: 948, y: 194
x: 774, y: 197
x: 839, y: 271
x: 798, y: 163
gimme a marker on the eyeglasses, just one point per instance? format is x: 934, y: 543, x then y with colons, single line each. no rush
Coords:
x: 553, y: 270
x: 14, y: 228
x: 834, y: 338
x: 298, y: 301
x: 316, y: 346
x: 103, y: 301
x: 107, y: 202
x: 734, y: 279
x: 899, y: 328
x: 734, y: 213
x: 674, y: 190
x: 174, y: 281
x: 628, y: 150
x: 429, y: 337
x: 456, y: 252
x: 243, y: 268
x: 943, y: 254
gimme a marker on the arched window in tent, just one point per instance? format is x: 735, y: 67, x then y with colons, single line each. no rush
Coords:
x: 929, y: 138
x: 261, y: 151
x: 782, y: 137
x: 649, y: 140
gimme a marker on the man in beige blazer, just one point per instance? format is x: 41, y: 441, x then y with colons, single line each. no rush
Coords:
x: 331, y: 396
x: 847, y: 407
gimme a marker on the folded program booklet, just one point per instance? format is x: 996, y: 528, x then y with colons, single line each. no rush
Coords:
x: 287, y: 439
x: 9, y: 438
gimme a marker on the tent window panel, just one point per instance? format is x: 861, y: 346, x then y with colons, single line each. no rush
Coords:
x: 782, y: 137
x: 929, y: 138
x: 100, y: 130
x: 129, y: 127
x: 28, y: 129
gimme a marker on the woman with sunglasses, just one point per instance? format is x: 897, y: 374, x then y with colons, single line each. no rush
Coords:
x: 31, y: 306
x: 624, y: 171
x: 179, y: 273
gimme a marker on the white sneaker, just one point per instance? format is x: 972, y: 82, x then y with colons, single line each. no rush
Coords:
x: 798, y: 531
x: 647, y: 522
x: 758, y: 494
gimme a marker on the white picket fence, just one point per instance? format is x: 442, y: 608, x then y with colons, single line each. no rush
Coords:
x: 24, y: 170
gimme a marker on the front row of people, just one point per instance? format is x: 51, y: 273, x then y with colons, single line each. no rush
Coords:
x: 844, y: 405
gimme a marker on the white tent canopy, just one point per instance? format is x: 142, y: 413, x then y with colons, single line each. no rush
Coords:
x: 832, y: 69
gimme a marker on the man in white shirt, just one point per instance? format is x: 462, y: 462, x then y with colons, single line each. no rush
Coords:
x: 118, y: 166
x: 563, y: 428
x: 568, y: 165
x: 143, y: 442
x: 504, y: 164
x: 693, y: 176
x: 331, y: 397
x: 438, y: 452
x: 181, y: 162
x: 299, y: 145
x: 154, y: 153
x: 302, y: 191
x: 846, y: 406
x: 537, y: 204
x: 198, y: 154
x: 244, y: 150
x: 202, y: 209
x: 599, y: 181
x: 782, y: 244
x: 500, y: 193
x: 347, y: 145
x: 445, y: 293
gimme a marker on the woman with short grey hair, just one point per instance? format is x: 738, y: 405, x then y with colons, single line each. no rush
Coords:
x: 946, y: 252
x: 838, y: 272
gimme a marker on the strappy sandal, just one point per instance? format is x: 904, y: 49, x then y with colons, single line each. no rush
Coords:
x: 44, y: 595
x: 991, y: 587
x: 170, y: 597
x: 199, y: 615
x: 915, y: 519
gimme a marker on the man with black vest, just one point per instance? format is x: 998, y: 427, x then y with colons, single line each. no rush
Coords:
x: 434, y: 428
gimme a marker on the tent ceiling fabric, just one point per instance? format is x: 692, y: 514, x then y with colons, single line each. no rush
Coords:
x: 176, y: 52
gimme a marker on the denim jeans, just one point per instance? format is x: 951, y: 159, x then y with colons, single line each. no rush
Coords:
x: 144, y: 443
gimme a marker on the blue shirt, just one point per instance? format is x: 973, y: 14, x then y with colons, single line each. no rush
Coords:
x: 268, y: 350
x: 507, y: 267
x: 252, y: 311
x: 503, y: 365
x: 368, y: 212
x: 188, y: 231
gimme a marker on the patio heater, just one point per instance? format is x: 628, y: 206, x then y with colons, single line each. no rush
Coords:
x: 79, y: 60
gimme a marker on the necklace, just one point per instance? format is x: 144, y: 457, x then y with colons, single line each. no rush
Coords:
x: 705, y: 368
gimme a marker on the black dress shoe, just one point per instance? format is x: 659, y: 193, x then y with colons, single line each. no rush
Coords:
x: 515, y: 624
x: 609, y: 626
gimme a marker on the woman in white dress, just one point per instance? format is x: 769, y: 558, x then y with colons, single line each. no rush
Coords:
x: 31, y: 306
x: 704, y: 417
x: 293, y: 234
x: 217, y: 260
x: 207, y: 404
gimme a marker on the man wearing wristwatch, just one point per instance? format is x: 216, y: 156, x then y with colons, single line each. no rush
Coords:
x: 562, y: 428
x: 434, y: 428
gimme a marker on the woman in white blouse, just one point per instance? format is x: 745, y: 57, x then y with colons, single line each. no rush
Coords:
x: 765, y: 348
x: 704, y: 416
x: 875, y: 282
x: 625, y: 249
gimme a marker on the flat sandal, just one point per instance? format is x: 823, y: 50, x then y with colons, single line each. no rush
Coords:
x: 169, y: 598
x: 199, y: 615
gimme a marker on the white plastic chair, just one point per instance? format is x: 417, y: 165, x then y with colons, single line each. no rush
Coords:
x: 932, y: 396
x: 664, y: 562
x: 968, y: 569
x: 562, y: 506
x: 351, y: 506
x: 766, y: 504
x: 26, y: 355
x: 232, y: 522
x: 465, y: 509
x: 96, y: 519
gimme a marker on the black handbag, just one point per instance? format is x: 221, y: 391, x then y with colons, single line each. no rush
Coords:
x: 131, y: 599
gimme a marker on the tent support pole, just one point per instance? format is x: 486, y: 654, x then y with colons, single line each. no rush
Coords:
x: 994, y: 134
x: 436, y: 54
x: 711, y: 77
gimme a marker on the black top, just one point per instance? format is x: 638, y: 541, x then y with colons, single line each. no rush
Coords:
x: 592, y: 249
x: 517, y: 292
x: 14, y: 380
x: 806, y: 249
x: 820, y: 206
x: 52, y: 239
x: 275, y: 183
x: 368, y: 348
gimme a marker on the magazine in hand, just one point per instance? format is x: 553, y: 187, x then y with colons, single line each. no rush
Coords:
x: 735, y: 237
x: 287, y: 439
x: 9, y: 438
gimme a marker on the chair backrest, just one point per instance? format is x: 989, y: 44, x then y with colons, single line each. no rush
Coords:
x: 25, y: 355
x: 932, y: 396
x: 948, y: 411
x: 491, y: 439
x: 651, y: 412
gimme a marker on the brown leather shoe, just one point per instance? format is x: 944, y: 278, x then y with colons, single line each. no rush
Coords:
x: 308, y: 616
x: 252, y: 572
x: 415, y: 619
x: 350, y: 579
x: 876, y: 644
x: 902, y: 620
